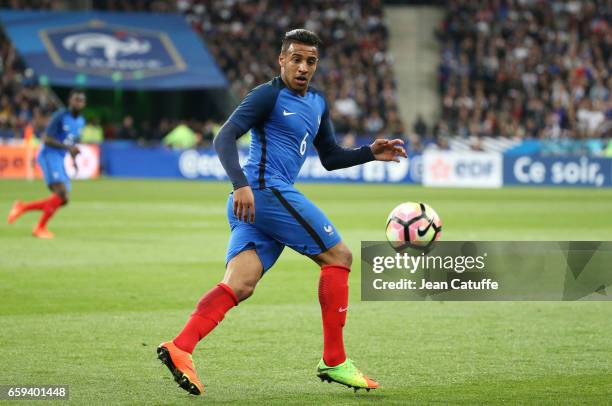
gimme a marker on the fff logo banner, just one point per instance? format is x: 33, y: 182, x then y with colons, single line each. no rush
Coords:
x: 101, y: 49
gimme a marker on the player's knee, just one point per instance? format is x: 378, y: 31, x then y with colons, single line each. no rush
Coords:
x: 62, y: 193
x: 343, y: 255
x: 347, y: 257
x: 64, y: 197
x: 243, y: 291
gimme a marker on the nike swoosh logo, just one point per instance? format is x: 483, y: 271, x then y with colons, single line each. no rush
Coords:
x: 286, y: 113
x: 424, y: 231
x: 342, y: 309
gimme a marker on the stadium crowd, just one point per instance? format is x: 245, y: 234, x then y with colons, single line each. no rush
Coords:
x: 355, y: 70
x: 24, y: 105
x: 526, y: 68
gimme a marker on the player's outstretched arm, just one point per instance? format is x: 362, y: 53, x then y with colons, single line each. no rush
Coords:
x: 333, y: 156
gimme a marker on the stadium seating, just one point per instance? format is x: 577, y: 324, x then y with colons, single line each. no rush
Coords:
x: 356, y: 71
x: 525, y: 69
x: 517, y: 70
x: 24, y: 105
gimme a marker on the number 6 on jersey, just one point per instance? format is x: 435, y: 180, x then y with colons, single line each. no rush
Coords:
x: 303, y: 145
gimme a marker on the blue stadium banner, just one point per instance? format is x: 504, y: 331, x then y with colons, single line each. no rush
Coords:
x: 108, y: 50
x: 136, y: 162
x: 559, y: 171
x: 129, y: 160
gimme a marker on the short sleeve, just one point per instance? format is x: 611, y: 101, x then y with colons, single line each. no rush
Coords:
x: 55, y: 125
x: 255, y: 107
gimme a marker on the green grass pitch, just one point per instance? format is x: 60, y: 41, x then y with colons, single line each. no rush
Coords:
x: 131, y: 258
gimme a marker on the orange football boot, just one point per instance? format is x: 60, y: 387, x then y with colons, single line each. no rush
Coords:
x: 16, y: 211
x: 180, y: 364
x: 43, y: 233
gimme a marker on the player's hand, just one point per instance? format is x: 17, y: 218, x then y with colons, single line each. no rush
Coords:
x: 74, y: 151
x: 388, y: 150
x: 244, y: 204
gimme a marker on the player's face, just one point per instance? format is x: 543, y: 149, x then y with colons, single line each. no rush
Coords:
x: 298, y: 65
x: 77, y: 102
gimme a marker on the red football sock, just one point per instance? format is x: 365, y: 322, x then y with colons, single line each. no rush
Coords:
x: 40, y: 204
x: 333, y: 297
x: 208, y: 314
x: 51, y: 205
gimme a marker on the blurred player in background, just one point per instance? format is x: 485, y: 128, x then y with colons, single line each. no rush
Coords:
x: 266, y: 213
x: 60, y: 137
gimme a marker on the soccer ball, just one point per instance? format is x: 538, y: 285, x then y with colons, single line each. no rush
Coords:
x: 413, y: 225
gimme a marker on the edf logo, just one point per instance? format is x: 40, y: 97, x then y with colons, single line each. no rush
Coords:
x: 473, y: 168
x: 462, y: 169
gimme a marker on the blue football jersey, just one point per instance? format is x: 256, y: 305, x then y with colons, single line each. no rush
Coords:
x: 65, y: 128
x: 283, y: 124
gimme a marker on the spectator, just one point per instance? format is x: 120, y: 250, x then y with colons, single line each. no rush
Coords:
x: 395, y: 127
x: 419, y: 127
x: 92, y: 133
x: 209, y: 131
x: 442, y: 143
x: 181, y: 137
x: 162, y: 129
x: 374, y: 123
x: 6, y: 132
x: 414, y: 144
x: 590, y: 118
x: 127, y: 130
x: 146, y: 132
x: 6, y: 110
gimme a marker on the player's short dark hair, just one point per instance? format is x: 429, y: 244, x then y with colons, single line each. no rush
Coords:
x: 301, y: 36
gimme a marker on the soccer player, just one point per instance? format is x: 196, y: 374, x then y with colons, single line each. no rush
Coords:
x: 60, y: 136
x: 266, y: 212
